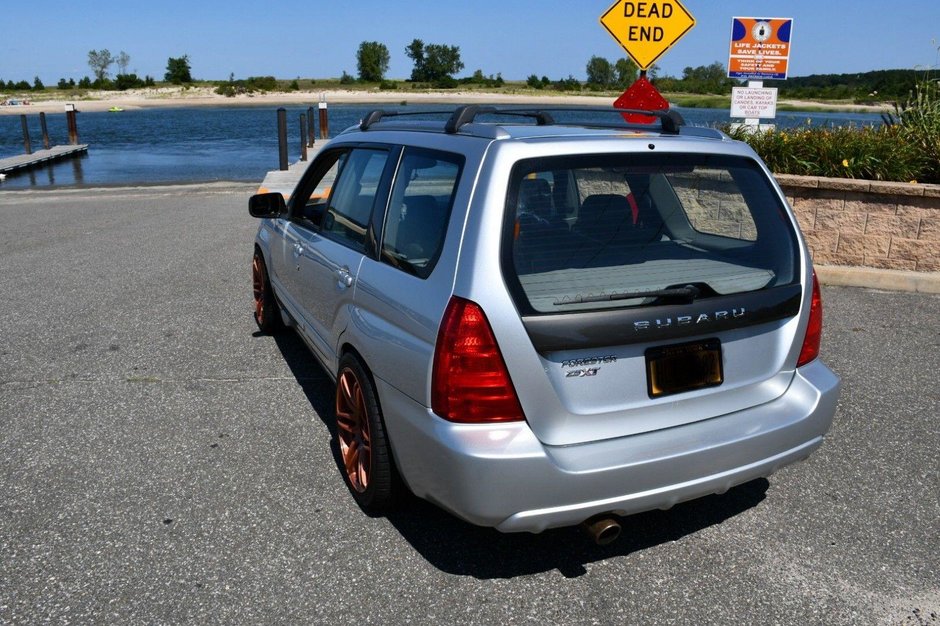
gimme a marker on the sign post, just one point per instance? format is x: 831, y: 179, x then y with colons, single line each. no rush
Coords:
x: 646, y: 30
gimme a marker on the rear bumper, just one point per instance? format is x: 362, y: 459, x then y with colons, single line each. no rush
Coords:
x: 502, y: 476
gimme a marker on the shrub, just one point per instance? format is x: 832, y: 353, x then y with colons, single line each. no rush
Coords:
x: 845, y: 152
x: 918, y: 122
x: 446, y: 82
x: 261, y: 83
x: 388, y: 85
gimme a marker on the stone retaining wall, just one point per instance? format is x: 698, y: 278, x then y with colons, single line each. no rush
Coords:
x: 866, y: 223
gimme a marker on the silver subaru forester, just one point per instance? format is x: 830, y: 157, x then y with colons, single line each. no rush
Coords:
x: 539, y: 318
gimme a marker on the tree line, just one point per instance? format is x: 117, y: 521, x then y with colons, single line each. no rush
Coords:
x: 436, y: 65
x: 178, y: 71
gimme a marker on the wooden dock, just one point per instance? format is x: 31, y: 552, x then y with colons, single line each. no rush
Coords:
x: 40, y: 157
x: 284, y: 181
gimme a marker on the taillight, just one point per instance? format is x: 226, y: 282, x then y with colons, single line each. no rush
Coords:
x: 470, y: 382
x: 814, y: 328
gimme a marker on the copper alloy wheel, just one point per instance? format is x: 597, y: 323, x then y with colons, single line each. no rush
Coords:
x: 258, y: 283
x: 352, y: 425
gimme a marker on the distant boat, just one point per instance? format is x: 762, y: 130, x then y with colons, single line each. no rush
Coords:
x: 115, y: 110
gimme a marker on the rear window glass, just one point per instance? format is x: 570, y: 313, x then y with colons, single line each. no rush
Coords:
x: 605, y: 231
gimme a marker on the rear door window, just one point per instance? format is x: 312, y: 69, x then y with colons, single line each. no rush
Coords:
x: 611, y: 231
x: 419, y: 209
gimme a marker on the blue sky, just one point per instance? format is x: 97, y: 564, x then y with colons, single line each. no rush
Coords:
x: 309, y: 39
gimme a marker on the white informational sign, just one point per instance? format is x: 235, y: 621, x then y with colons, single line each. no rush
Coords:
x: 754, y: 103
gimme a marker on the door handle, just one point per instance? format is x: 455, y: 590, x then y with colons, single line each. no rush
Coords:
x: 345, y: 278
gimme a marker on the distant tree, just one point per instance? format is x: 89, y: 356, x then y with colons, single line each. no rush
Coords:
x: 567, y: 84
x: 372, y: 61
x: 22, y: 86
x: 706, y: 79
x: 600, y: 73
x: 62, y: 84
x: 178, y: 70
x: 534, y: 82
x: 123, y: 60
x: 415, y: 52
x: 346, y: 79
x: 124, y: 82
x: 99, y: 61
x: 434, y: 63
x: 37, y: 84
x: 85, y: 83
x: 626, y: 71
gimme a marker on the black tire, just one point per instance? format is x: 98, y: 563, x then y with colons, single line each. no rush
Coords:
x: 267, y: 313
x: 364, y: 453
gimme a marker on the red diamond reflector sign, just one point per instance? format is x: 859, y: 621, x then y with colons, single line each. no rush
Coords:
x: 641, y: 95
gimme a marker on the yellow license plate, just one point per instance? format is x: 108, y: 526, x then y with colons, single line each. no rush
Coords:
x: 683, y: 367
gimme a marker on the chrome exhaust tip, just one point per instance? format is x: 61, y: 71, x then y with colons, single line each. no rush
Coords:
x: 602, y: 529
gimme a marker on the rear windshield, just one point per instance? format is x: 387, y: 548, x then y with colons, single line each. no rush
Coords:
x: 605, y: 231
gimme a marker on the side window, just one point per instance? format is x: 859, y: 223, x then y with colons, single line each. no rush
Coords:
x: 419, y: 209
x: 310, y: 204
x: 350, y: 205
x: 714, y: 204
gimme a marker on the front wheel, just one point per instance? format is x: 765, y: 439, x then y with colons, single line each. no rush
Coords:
x: 267, y: 313
x: 368, y: 467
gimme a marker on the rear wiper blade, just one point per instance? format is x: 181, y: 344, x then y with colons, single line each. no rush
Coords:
x: 689, y: 292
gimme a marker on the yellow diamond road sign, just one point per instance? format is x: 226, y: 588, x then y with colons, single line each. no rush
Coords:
x: 647, y: 29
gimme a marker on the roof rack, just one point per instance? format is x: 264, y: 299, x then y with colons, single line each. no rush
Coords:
x: 670, y: 120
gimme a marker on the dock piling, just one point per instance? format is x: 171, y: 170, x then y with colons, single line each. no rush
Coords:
x: 282, y: 137
x: 26, y: 143
x: 73, y: 124
x: 324, y: 120
x: 303, y: 141
x: 45, y: 131
x: 311, y: 127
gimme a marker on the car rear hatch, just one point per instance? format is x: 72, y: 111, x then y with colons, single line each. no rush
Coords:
x: 656, y: 290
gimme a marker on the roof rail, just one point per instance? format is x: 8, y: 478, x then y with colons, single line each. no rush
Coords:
x: 467, y: 114
x: 670, y: 120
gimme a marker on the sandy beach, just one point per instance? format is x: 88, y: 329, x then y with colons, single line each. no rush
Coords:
x: 206, y: 96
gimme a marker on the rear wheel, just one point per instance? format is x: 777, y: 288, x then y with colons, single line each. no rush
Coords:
x: 267, y: 313
x: 367, y: 462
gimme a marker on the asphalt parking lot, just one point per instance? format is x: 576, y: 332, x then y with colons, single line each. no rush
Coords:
x: 160, y: 462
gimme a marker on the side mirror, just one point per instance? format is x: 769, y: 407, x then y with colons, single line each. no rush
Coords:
x: 267, y: 205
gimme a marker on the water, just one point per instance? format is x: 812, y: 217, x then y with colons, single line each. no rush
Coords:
x: 202, y: 144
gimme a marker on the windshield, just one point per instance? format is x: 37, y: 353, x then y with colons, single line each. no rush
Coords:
x: 606, y: 231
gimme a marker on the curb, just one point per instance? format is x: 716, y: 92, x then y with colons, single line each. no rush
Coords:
x: 873, y: 278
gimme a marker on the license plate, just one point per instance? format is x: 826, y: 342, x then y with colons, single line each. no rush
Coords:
x: 683, y: 367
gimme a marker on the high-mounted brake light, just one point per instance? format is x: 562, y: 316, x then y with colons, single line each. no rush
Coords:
x: 814, y: 328
x: 470, y: 382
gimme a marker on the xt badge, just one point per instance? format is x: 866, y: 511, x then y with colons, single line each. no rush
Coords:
x: 582, y: 373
